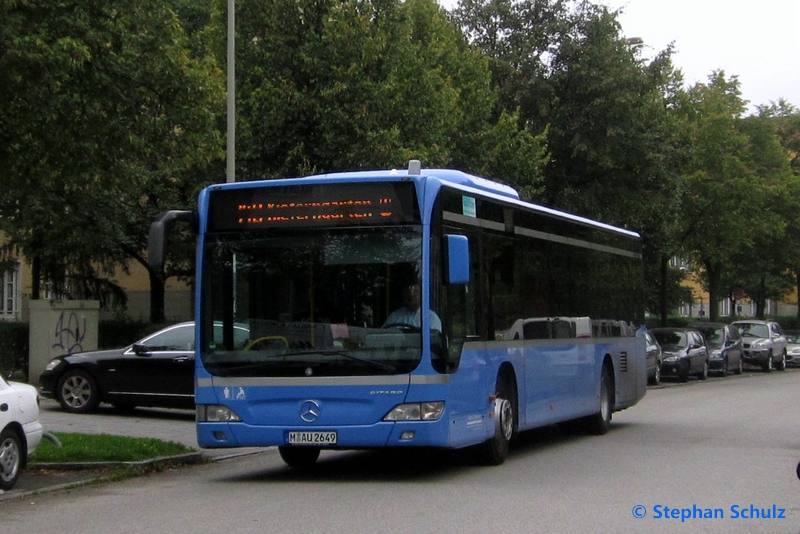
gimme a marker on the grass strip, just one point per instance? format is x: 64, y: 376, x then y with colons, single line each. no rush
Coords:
x: 104, y: 448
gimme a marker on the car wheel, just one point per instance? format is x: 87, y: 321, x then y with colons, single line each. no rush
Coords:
x: 767, y: 366
x: 703, y: 375
x: 782, y: 363
x: 657, y: 375
x: 299, y: 456
x: 740, y: 367
x: 10, y: 458
x: 77, y: 392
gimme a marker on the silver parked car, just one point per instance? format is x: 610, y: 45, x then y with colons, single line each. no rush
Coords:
x: 793, y: 348
x: 764, y: 343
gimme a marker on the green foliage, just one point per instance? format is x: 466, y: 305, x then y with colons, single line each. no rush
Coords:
x: 357, y: 85
x: 110, y: 119
x: 103, y: 448
x: 734, y: 177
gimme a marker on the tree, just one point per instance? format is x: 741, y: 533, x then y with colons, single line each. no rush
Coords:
x: 729, y: 182
x: 785, y: 119
x: 109, y: 119
x: 347, y: 85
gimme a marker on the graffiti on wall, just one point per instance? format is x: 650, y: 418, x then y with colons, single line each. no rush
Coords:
x: 70, y: 332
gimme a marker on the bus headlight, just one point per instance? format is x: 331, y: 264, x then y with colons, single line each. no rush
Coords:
x: 417, y: 411
x: 215, y: 413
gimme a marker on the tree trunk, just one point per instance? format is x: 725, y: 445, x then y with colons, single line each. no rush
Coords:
x: 761, y: 301
x: 797, y: 284
x: 662, y: 291
x: 714, y: 274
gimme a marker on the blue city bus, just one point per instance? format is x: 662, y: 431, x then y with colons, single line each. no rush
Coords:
x: 524, y: 316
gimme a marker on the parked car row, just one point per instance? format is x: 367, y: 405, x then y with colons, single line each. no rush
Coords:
x: 701, y: 348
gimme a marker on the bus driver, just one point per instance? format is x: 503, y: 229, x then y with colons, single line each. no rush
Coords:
x: 409, y: 313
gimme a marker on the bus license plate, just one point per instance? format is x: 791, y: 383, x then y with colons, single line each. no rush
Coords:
x: 312, y: 438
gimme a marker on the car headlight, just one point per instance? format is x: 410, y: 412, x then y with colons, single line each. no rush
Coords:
x: 672, y: 358
x: 716, y: 353
x: 52, y: 364
x: 216, y: 413
x: 417, y: 411
x: 759, y: 344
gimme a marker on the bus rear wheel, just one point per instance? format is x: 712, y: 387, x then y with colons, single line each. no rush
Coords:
x: 299, y: 456
x: 600, y: 422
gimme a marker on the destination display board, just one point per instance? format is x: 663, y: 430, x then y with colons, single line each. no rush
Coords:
x: 321, y: 204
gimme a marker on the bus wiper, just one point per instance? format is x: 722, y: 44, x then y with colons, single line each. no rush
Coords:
x: 379, y: 365
x: 287, y: 358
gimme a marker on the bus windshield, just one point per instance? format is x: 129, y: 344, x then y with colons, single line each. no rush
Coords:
x: 315, y: 301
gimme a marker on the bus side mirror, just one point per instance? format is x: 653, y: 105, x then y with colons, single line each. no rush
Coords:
x: 156, y: 243
x: 456, y: 251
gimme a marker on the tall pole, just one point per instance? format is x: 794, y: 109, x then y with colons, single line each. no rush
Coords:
x: 230, y: 165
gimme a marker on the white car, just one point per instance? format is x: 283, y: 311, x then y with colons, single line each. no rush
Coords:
x: 21, y: 430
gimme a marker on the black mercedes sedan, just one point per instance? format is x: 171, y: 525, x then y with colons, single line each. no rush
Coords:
x: 157, y: 370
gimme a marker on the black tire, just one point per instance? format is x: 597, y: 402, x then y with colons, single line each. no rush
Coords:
x: 740, y: 367
x: 703, y: 375
x: 782, y: 364
x: 11, y: 458
x: 724, y: 371
x: 77, y: 392
x: 299, y: 456
x: 599, y: 423
x: 767, y: 366
x: 656, y: 378
x: 494, y: 451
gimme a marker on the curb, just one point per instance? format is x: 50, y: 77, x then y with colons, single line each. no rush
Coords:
x: 143, y: 465
x: 153, y: 463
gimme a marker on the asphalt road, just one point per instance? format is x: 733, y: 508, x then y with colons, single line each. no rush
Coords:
x: 725, y: 446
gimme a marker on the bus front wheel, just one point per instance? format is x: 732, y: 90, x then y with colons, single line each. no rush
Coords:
x: 495, y: 450
x: 299, y: 456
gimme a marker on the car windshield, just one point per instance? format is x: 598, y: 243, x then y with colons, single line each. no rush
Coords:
x: 315, y: 302
x: 670, y: 340
x: 714, y: 336
x: 753, y: 329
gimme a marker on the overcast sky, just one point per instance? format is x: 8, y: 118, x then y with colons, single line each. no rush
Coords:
x: 757, y: 41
